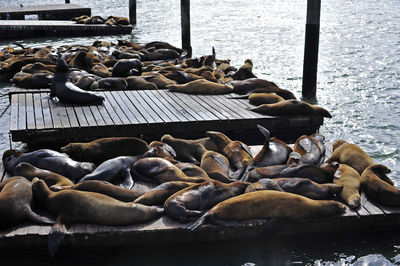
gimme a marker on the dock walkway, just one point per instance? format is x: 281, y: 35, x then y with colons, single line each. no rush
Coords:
x: 44, y: 12
x: 148, y: 114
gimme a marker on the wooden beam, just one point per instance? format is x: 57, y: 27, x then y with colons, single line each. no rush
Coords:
x: 132, y: 12
x: 67, y: 1
x: 309, y: 88
x: 185, y: 26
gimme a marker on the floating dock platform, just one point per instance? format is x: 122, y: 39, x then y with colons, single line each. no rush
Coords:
x: 44, y: 12
x: 12, y: 29
x: 148, y: 114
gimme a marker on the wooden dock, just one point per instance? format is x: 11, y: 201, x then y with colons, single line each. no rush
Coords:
x: 11, y: 29
x: 371, y: 216
x: 44, y: 12
x: 148, y: 114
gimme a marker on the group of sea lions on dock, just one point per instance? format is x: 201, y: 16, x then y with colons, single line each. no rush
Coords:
x: 74, y: 72
x: 213, y: 179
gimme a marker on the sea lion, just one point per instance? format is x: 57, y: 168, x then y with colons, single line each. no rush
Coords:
x: 291, y: 107
x: 159, y: 170
x: 163, y: 45
x: 52, y: 179
x: 139, y: 83
x: 186, y: 150
x: 378, y: 186
x: 192, y: 170
x: 127, y: 67
x: 15, y: 203
x: 82, y: 60
x: 113, y: 83
x: 250, y: 85
x: 103, y: 149
x: 207, y: 142
x: 263, y: 184
x: 163, y: 150
x: 38, y: 67
x: 73, y: 206
x: 103, y: 187
x: 245, y: 71
x: 238, y: 153
x: 117, y: 170
x: 159, y: 194
x: 160, y: 54
x: 350, y: 154
x: 350, y: 179
x: 308, y: 149
x: 320, y: 174
x: 101, y: 70
x: 264, y: 97
x: 191, y: 202
x: 159, y: 80
x: 216, y: 166
x: 271, y: 205
x: 201, y: 86
x: 33, y: 81
x: 66, y: 91
x: 49, y: 160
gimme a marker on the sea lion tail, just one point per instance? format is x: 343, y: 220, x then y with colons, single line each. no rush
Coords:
x: 203, y: 219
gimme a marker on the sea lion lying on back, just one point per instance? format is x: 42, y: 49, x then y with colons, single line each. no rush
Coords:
x: 271, y: 205
x: 216, y: 166
x: 201, y: 86
x: 103, y: 149
x: 308, y: 149
x: 253, y: 84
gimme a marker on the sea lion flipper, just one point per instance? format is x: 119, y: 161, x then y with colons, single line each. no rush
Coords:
x: 246, y: 148
x: 56, y: 235
x: 219, y: 160
x: 34, y: 217
x: 204, y: 218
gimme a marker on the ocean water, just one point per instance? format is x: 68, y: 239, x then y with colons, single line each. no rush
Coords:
x: 358, y: 80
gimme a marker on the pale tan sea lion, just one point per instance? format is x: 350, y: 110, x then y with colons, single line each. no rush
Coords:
x: 350, y: 179
x: 308, y: 149
x: 186, y: 150
x: 201, y: 86
x: 265, y: 97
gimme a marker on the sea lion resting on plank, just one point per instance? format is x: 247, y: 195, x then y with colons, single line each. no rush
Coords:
x: 15, y: 203
x: 349, y: 178
x: 201, y: 86
x: 308, y: 149
x: 216, y: 166
x: 271, y: 205
x: 250, y: 85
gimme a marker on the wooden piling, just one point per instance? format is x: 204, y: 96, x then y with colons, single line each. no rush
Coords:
x: 67, y: 1
x: 309, y: 88
x: 132, y: 12
x: 185, y: 26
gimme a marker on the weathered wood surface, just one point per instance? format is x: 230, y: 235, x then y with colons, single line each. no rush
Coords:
x: 165, y: 230
x: 150, y: 114
x: 40, y: 28
x: 53, y: 12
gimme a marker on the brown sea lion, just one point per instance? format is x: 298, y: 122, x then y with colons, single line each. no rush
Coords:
x: 250, y: 85
x: 158, y: 79
x: 82, y: 60
x: 201, y: 86
x: 189, y: 203
x: 159, y: 170
x: 320, y: 174
x: 33, y: 81
x: 264, y: 97
x: 103, y: 149
x: 163, y: 150
x: 186, y: 150
x: 263, y: 184
x: 308, y: 149
x: 216, y: 166
x: 160, y: 54
x: 37, y: 67
x: 139, y: 83
x: 103, y: 187
x: 111, y: 83
x: 73, y: 206
x: 291, y: 107
x: 52, y: 179
x: 101, y: 70
x: 50, y: 160
x: 15, y: 203
x: 350, y: 154
x: 159, y: 194
x: 245, y: 71
x: 186, y: 143
x: 238, y: 153
x: 378, y: 186
x: 271, y: 205
x: 350, y: 179
x: 192, y: 170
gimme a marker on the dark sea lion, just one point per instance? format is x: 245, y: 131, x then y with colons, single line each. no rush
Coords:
x: 238, y: 153
x: 350, y: 154
x: 192, y: 170
x: 163, y: 150
x: 117, y: 170
x: 122, y: 21
x: 263, y: 184
x: 159, y: 194
x: 181, y: 77
x: 186, y: 150
x: 189, y: 203
x: 82, y: 60
x: 139, y: 83
x: 158, y: 79
x: 250, y: 85
x: 271, y: 205
x: 264, y: 97
x: 73, y: 206
x: 114, y: 83
x: 85, y: 81
x: 49, y: 160
x: 245, y: 71
x: 207, y: 142
x: 350, y: 179
x: 161, y: 54
x: 15, y: 203
x: 37, y: 67
x: 127, y: 67
x: 162, y: 45
x: 33, y: 81
x: 320, y: 174
x: 103, y: 149
x: 208, y: 75
x: 66, y: 91
x: 291, y: 107
x: 101, y: 70
x: 104, y: 187
x: 159, y: 170
x: 201, y: 86
x: 216, y: 166
x: 52, y: 179
x: 308, y: 149
x: 378, y: 186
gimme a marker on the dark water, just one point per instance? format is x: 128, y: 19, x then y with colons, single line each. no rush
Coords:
x: 358, y: 82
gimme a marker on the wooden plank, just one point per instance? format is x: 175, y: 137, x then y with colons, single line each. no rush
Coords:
x: 116, y: 107
x: 89, y: 116
x: 30, y: 112
x: 166, y: 100
x: 125, y: 105
x: 236, y: 107
x: 105, y: 115
x: 141, y: 106
x: 371, y: 208
x: 164, y: 113
x: 80, y: 115
x: 148, y: 107
x: 55, y: 115
x: 109, y: 110
x: 14, y: 113
x: 73, y: 120
x: 38, y: 111
x: 194, y: 101
x: 97, y: 115
x: 21, y: 112
x: 210, y: 107
x: 63, y: 114
x: 160, y: 103
x: 223, y: 108
x: 184, y: 106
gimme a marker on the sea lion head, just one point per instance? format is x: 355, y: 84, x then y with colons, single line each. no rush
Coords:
x: 338, y: 143
x: 8, y: 157
x: 62, y: 65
